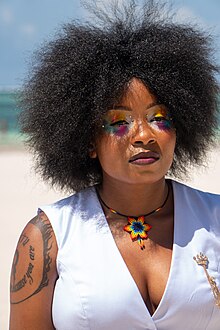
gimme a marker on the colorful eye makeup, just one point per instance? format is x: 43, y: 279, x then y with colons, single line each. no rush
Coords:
x: 160, y: 119
x: 119, y: 123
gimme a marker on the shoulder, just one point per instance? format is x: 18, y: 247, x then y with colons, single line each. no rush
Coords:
x: 195, y: 195
x: 33, y: 276
x: 34, y: 259
x: 71, y: 202
x: 199, y: 206
x: 66, y: 213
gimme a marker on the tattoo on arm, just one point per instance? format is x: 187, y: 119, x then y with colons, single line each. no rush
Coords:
x: 31, y: 263
x: 23, y: 239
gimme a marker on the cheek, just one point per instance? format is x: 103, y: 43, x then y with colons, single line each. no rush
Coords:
x: 169, y: 144
x: 165, y: 125
x: 110, y: 149
x: 166, y: 140
x: 105, y: 148
x: 118, y: 131
x: 121, y: 131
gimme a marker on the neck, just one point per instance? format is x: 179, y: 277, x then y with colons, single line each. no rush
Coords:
x: 133, y: 199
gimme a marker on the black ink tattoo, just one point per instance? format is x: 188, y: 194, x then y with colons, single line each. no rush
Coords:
x: 31, y: 252
x: 13, y: 270
x: 28, y: 273
x: 46, y: 231
x: 19, y: 285
x: 23, y: 239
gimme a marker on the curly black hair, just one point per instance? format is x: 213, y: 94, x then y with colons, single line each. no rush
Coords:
x: 81, y: 73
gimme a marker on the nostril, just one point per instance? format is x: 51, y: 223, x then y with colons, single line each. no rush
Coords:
x: 138, y: 142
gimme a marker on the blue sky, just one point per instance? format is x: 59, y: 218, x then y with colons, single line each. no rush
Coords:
x: 26, y: 24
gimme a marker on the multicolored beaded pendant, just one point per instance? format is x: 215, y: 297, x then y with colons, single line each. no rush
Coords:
x: 136, y: 226
x: 138, y: 229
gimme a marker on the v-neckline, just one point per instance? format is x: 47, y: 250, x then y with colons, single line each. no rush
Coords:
x: 123, y: 263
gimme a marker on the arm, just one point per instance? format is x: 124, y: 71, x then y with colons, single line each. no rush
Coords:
x: 33, y: 277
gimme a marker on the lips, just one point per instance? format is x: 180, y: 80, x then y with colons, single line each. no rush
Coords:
x: 142, y: 158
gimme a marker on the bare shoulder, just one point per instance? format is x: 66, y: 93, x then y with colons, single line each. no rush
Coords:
x: 33, y: 273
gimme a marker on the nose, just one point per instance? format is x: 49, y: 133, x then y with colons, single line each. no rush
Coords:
x: 143, y: 134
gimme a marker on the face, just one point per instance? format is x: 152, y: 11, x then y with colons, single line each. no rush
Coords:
x: 138, y: 138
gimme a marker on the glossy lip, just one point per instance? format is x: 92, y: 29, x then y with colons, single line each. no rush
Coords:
x: 144, y: 158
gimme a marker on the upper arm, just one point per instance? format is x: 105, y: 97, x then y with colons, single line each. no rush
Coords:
x: 33, y: 277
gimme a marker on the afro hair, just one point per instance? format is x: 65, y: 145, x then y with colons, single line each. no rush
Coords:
x: 76, y: 77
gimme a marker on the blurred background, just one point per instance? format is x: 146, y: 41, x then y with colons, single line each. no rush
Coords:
x: 24, y: 26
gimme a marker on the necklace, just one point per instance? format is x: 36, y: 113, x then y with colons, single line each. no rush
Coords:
x: 136, y: 226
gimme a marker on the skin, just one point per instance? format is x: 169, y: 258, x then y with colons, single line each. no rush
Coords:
x: 136, y: 190
x: 129, y: 181
x: 33, y: 277
x: 128, y: 188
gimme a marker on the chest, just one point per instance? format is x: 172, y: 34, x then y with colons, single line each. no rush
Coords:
x: 149, y: 268
x: 104, y: 284
x: 101, y: 287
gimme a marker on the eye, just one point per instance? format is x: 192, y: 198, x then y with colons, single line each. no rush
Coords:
x: 119, y: 123
x: 158, y: 119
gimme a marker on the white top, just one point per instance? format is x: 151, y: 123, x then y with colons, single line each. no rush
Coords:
x: 95, y: 289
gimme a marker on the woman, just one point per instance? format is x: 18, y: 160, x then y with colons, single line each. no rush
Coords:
x: 110, y: 109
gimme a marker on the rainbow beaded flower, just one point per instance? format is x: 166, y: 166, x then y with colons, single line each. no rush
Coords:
x: 138, y: 230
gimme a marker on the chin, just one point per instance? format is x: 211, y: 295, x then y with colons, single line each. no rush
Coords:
x: 143, y: 179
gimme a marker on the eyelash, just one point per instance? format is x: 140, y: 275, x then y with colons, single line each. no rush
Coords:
x: 159, y: 119
x: 124, y: 122
x: 119, y: 123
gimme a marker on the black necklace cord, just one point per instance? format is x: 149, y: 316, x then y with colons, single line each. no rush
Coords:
x: 135, y: 217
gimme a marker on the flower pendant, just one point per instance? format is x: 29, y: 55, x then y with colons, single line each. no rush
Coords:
x: 138, y: 230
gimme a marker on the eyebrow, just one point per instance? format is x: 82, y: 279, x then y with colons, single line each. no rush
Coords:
x: 151, y: 105
x: 122, y: 107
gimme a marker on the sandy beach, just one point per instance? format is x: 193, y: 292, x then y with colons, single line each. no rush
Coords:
x: 21, y: 192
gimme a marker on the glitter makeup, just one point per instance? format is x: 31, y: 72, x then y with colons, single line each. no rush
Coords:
x: 120, y: 123
x: 159, y: 118
x: 117, y: 123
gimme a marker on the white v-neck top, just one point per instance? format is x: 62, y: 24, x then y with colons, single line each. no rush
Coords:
x: 95, y: 289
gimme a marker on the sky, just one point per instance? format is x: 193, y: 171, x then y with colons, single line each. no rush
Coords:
x: 26, y: 24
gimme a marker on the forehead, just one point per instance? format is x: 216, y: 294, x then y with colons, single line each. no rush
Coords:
x: 137, y: 92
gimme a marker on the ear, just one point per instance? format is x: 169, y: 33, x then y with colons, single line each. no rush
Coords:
x: 92, y: 151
